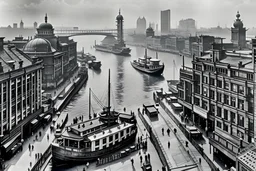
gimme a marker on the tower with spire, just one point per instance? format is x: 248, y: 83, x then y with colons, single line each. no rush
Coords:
x: 120, y: 33
x: 238, y: 33
x: 21, y: 24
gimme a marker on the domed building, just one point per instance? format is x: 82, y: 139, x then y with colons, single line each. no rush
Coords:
x: 39, y: 45
x: 238, y: 33
x: 150, y: 32
x: 58, y: 54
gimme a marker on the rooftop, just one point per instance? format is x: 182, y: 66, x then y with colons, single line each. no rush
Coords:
x: 107, y: 132
x: 88, y: 124
x: 248, y: 157
x: 11, y: 55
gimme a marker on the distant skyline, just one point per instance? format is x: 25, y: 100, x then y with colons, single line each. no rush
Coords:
x: 101, y: 13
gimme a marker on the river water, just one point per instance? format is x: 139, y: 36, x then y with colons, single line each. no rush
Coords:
x: 129, y: 87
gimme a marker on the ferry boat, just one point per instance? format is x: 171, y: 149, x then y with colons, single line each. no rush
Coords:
x: 94, y: 64
x: 86, y: 141
x: 148, y: 65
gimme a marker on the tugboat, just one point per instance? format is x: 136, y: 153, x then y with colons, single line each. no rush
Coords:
x: 86, y: 141
x: 148, y: 65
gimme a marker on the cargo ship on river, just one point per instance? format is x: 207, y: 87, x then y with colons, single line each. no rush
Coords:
x: 86, y: 141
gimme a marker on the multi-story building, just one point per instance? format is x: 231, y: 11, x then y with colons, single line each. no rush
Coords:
x: 15, y: 25
x: 35, y: 25
x: 59, y: 54
x: 21, y: 25
x: 238, y: 33
x: 141, y: 25
x: 165, y: 22
x: 20, y: 96
x: 175, y: 43
x: 217, y: 96
x: 150, y: 32
x: 187, y: 24
x: 188, y: 45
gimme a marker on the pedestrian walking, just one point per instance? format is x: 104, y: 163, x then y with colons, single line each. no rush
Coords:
x: 132, y: 161
x: 48, y: 137
x: 169, y: 144
x: 32, y: 147
x: 138, y: 139
x: 141, y: 158
x: 168, y: 131
x: 163, y: 131
x: 30, y: 164
x: 87, y: 164
x: 29, y: 147
x: 35, y: 155
x: 148, y: 156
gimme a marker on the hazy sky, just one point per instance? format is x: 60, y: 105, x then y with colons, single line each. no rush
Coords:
x: 102, y: 13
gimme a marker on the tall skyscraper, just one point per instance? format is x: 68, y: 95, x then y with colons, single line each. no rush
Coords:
x: 165, y: 21
x: 141, y: 25
x: 21, y: 24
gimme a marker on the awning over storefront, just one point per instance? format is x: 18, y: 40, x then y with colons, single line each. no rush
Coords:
x: 200, y: 111
x: 6, y: 145
x: 34, y: 121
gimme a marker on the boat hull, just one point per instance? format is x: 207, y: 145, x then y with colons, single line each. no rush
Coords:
x: 62, y: 157
x: 124, y: 52
x: 156, y: 71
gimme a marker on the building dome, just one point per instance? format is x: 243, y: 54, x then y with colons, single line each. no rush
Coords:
x: 238, y: 23
x: 119, y: 17
x: 149, y: 29
x: 38, y: 45
x: 46, y: 26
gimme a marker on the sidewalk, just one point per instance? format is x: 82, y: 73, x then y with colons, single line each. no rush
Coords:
x: 208, y: 150
x: 177, y: 154
x: 21, y: 161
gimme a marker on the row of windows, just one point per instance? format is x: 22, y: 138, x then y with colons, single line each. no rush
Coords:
x: 226, y: 129
x: 228, y: 115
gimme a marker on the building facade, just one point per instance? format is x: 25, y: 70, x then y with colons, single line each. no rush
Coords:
x: 20, y: 97
x: 141, y: 25
x: 238, y: 33
x: 217, y: 96
x: 59, y: 55
x: 165, y: 22
x: 187, y: 24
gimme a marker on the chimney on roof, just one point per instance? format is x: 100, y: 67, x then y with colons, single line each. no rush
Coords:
x: 20, y: 64
x: 1, y: 43
x: 1, y: 68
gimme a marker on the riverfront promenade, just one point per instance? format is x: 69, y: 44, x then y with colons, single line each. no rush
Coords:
x: 204, y: 143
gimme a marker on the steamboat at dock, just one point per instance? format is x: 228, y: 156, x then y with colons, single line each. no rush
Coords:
x: 86, y: 141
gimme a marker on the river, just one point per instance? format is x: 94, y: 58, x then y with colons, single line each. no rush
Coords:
x: 129, y: 87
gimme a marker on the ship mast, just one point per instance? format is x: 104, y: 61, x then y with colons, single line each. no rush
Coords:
x: 109, y: 91
x: 90, y: 103
x: 146, y: 57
